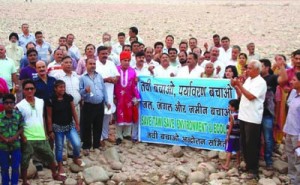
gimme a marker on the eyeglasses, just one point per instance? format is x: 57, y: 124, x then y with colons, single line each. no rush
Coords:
x: 8, y: 103
x: 29, y: 88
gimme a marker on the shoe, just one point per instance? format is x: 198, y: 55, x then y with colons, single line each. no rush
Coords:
x: 118, y: 141
x: 269, y: 168
x: 127, y: 137
x: 86, y: 152
x: 135, y: 141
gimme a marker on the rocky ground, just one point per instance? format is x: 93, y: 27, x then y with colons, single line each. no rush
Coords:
x: 154, y: 164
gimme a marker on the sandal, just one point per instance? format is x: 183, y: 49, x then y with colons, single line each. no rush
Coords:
x: 63, y: 174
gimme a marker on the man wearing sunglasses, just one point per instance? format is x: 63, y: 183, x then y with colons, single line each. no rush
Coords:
x: 32, y: 109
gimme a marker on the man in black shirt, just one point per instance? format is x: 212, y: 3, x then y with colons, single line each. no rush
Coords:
x: 269, y: 106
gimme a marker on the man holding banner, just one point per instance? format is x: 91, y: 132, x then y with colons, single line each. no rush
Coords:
x: 192, y: 70
x: 252, y: 94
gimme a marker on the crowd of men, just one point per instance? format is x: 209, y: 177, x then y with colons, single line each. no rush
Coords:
x: 103, y: 80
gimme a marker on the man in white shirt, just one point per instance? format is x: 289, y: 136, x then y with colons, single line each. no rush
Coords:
x: 192, y: 70
x: 141, y: 68
x: 133, y: 33
x: 173, y: 57
x: 192, y: 44
x: 183, y: 46
x: 110, y: 75
x: 118, y: 47
x: 236, y: 50
x: 111, y: 55
x: 218, y: 65
x: 216, y: 42
x: 135, y: 47
x: 182, y: 56
x: 72, y: 48
x: 55, y: 66
x: 252, y: 94
x: 106, y: 37
x: 71, y: 80
x: 149, y: 57
x: 158, y: 48
x: 251, y: 52
x: 164, y: 69
x: 225, y: 50
x: 169, y: 41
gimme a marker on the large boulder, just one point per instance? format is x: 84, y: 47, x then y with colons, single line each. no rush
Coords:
x: 265, y: 181
x: 70, y: 181
x: 95, y: 174
x: 212, y: 154
x: 196, y: 177
x: 182, y: 172
x: 280, y: 166
x: 116, y: 165
x: 111, y: 154
x: 31, y: 171
x: 177, y: 151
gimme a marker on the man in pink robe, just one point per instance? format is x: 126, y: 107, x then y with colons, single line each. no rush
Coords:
x: 126, y: 97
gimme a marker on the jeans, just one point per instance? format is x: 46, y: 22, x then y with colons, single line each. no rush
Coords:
x: 267, y: 128
x: 73, y: 137
x: 13, y: 158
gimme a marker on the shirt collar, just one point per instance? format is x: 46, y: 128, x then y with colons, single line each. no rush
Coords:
x: 4, y: 58
x: 86, y: 73
x: 13, y: 115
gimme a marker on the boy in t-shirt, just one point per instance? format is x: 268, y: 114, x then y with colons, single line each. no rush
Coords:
x: 11, y: 128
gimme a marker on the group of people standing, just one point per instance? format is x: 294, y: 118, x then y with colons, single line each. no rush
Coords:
x: 61, y: 94
x: 253, y: 116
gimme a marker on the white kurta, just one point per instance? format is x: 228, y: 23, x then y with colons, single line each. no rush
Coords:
x: 183, y: 72
x: 159, y: 71
x: 108, y: 70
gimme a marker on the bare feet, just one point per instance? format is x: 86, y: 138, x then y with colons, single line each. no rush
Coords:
x: 224, y: 167
x: 79, y: 162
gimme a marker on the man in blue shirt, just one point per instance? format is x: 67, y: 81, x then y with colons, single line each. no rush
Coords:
x: 94, y: 95
x: 43, y: 47
x: 25, y: 36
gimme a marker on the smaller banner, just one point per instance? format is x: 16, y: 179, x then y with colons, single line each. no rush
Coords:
x: 185, y: 112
